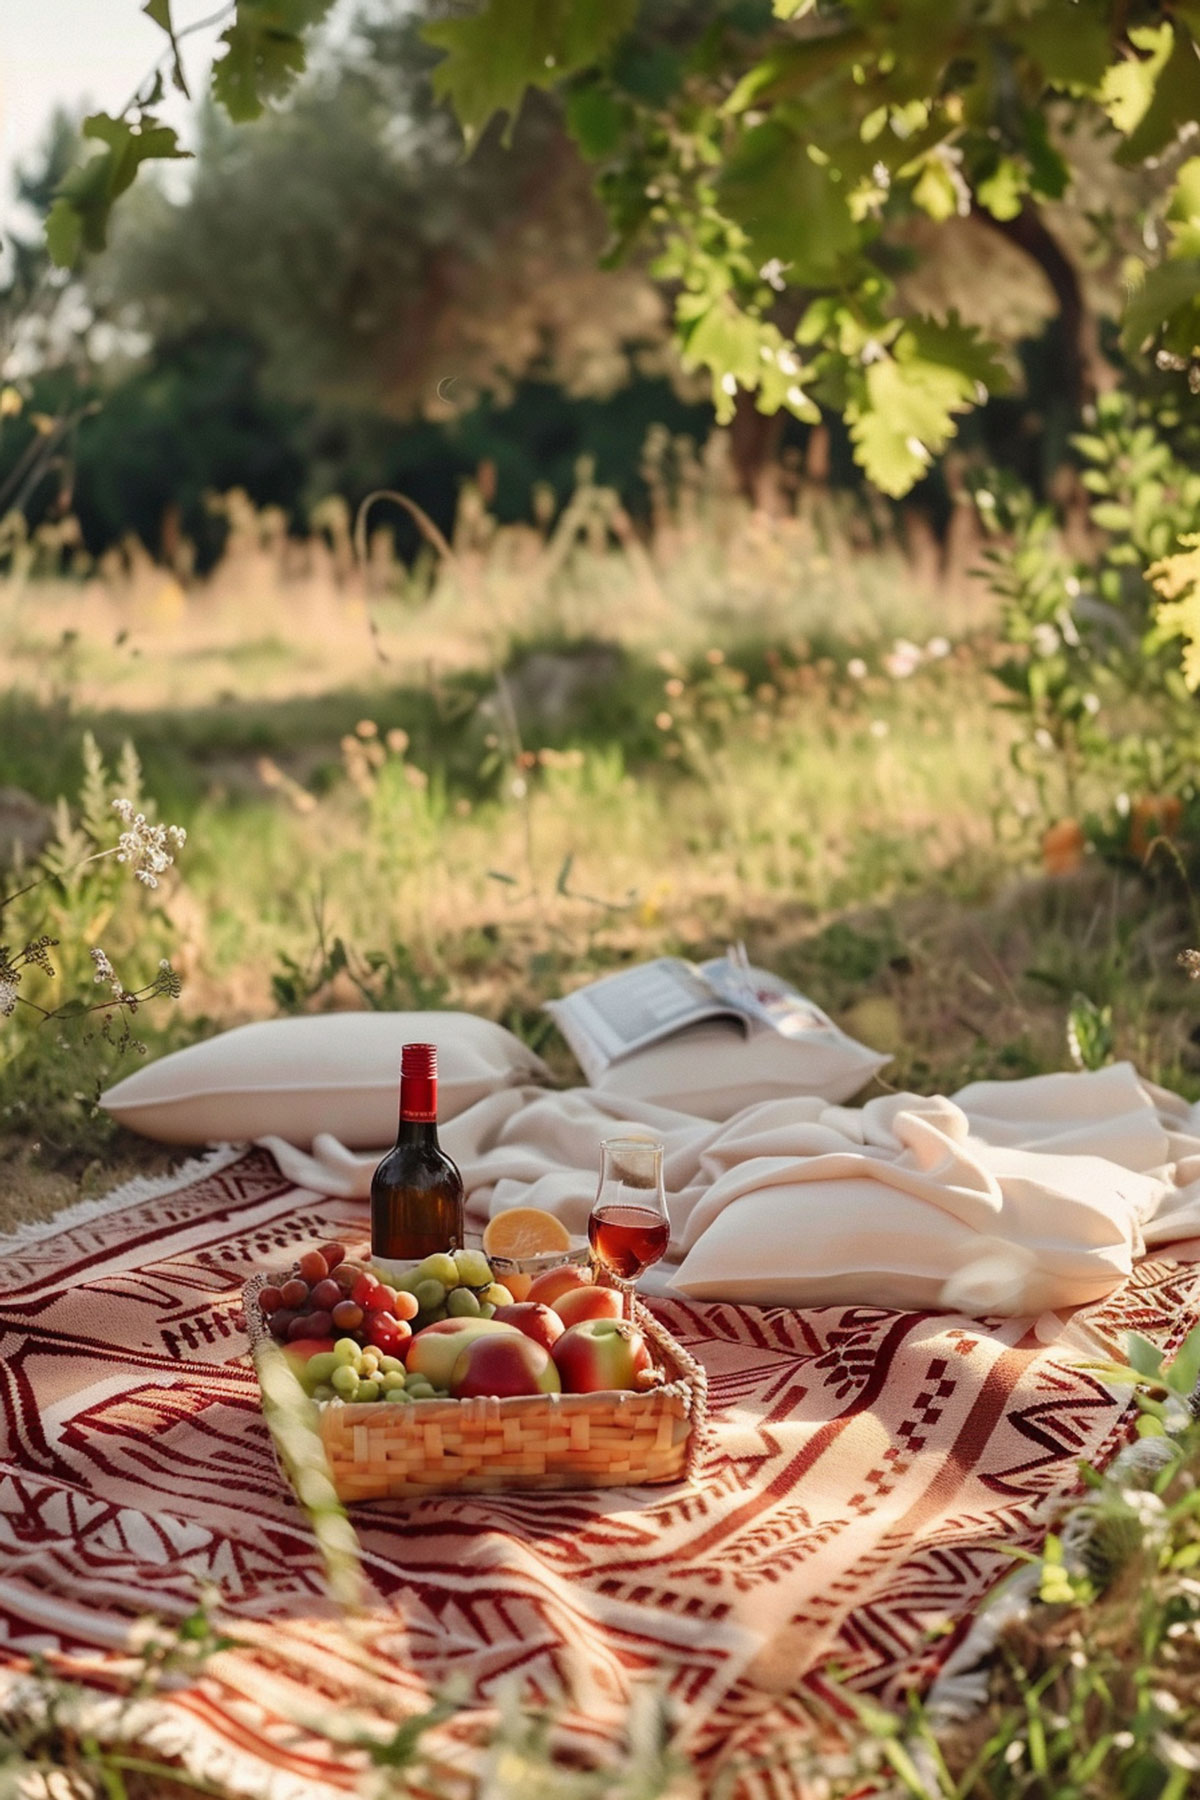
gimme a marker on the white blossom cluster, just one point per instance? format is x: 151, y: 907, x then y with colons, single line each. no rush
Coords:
x: 145, y: 846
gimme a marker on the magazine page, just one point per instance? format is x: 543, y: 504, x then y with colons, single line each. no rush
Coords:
x: 763, y: 998
x: 625, y: 1012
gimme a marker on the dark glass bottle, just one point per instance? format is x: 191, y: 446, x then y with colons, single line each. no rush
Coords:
x: 416, y: 1192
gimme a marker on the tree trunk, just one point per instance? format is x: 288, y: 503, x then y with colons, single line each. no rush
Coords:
x: 754, y: 440
x: 1085, y: 371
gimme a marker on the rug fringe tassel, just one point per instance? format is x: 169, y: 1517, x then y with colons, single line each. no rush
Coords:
x: 141, y: 1187
x: 154, y: 1726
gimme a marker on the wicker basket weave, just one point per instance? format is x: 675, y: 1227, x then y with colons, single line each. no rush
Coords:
x: 611, y: 1439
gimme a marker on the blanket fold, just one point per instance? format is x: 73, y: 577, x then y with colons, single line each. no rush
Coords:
x: 1014, y: 1197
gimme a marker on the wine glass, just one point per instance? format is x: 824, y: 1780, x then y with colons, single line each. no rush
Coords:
x: 629, y: 1228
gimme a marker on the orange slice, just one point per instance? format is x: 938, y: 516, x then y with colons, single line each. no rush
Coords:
x: 525, y: 1231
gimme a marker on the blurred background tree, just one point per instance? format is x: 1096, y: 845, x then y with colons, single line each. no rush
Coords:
x: 848, y: 230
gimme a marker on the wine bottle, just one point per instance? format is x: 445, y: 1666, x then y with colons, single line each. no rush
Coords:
x: 416, y: 1192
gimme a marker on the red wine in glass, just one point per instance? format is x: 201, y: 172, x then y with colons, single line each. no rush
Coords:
x: 629, y: 1228
x: 627, y: 1239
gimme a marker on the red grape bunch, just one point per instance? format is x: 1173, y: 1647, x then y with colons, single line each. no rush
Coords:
x: 329, y: 1294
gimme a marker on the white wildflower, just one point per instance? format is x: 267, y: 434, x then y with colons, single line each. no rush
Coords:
x: 902, y: 659
x: 8, y: 994
x: 104, y: 969
x: 1045, y: 639
x: 1123, y: 1740
x: 937, y: 647
x: 145, y: 846
x: 1173, y: 1751
x: 879, y: 728
x: 1091, y: 704
x: 856, y: 668
x: 1043, y: 739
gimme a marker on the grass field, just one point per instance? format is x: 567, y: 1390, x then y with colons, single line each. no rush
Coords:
x: 477, y: 785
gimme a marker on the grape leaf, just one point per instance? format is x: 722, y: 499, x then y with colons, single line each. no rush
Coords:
x: 159, y: 12
x: 1071, y: 46
x: 596, y: 120
x: 494, y: 55
x: 264, y: 53
x: 1168, y: 301
x: 1183, y: 213
x: 78, y: 218
x: 1175, y: 102
x: 726, y: 341
x: 790, y: 72
x: 904, y: 416
x: 1003, y: 191
x: 1128, y: 87
x: 790, y: 205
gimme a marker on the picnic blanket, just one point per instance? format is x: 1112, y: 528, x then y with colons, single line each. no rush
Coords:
x: 867, y: 1474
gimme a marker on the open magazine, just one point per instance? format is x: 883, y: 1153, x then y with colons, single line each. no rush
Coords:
x: 622, y: 1013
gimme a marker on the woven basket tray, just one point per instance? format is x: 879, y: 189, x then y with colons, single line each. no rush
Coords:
x: 532, y: 1441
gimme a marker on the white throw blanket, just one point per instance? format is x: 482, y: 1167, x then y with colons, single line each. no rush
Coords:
x: 1012, y: 1197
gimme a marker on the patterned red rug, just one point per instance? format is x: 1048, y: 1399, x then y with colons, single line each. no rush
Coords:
x: 868, y: 1473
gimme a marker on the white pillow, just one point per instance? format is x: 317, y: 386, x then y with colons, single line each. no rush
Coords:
x: 713, y: 1070
x: 333, y: 1072
x: 1066, y: 1232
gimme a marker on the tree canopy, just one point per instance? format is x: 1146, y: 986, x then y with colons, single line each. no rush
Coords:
x: 788, y: 165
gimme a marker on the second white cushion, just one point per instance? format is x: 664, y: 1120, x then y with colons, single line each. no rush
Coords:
x: 328, y: 1072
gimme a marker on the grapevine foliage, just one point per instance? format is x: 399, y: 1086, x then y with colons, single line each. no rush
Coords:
x: 775, y: 159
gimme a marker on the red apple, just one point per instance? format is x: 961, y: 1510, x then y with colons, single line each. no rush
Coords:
x: 300, y: 1349
x: 599, y: 1354
x: 435, y: 1349
x: 541, y: 1323
x: 547, y: 1288
x: 383, y: 1300
x: 503, y: 1366
x: 591, y: 1302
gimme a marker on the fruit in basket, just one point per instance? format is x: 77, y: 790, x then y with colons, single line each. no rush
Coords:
x: 461, y: 1303
x: 547, y: 1287
x: 364, y: 1287
x: 311, y: 1325
x: 347, y: 1315
x: 429, y: 1293
x: 525, y: 1231
x: 312, y: 1267
x: 280, y: 1322
x: 346, y: 1372
x: 496, y: 1295
x: 503, y: 1367
x: 434, y: 1351
x: 294, y: 1293
x: 386, y: 1334
x: 589, y: 1302
x: 270, y: 1299
x: 333, y: 1254
x: 474, y: 1269
x: 541, y: 1323
x: 599, y: 1354
x: 300, y: 1352
x: 326, y: 1294
x: 439, y: 1267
